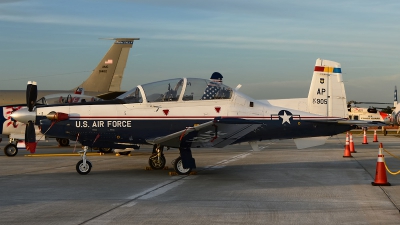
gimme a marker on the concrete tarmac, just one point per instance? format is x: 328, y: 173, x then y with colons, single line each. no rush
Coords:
x: 277, y: 184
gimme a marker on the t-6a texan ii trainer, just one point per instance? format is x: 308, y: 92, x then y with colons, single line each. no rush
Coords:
x: 177, y: 113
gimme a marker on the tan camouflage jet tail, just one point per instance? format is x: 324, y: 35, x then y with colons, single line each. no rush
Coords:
x: 108, y: 74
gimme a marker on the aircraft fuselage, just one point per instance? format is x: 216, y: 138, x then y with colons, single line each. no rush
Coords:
x: 138, y: 122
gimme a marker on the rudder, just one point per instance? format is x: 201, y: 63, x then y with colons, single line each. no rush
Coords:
x: 327, y: 94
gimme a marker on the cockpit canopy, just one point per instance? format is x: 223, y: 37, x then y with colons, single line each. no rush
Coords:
x: 178, y: 89
x: 65, y: 98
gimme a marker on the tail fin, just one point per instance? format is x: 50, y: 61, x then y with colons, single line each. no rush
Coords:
x: 395, y: 97
x: 327, y: 95
x: 108, y: 74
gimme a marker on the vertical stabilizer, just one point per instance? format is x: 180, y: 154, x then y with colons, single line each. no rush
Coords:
x: 395, y: 97
x: 107, y: 76
x: 327, y: 95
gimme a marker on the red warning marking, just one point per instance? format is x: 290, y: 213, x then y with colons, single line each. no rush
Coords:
x: 166, y: 111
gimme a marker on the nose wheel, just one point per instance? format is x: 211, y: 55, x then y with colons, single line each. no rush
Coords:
x: 84, y: 166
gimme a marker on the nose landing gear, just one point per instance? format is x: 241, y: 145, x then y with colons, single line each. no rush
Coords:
x: 84, y: 166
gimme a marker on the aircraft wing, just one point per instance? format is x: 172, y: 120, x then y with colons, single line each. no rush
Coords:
x: 217, y: 133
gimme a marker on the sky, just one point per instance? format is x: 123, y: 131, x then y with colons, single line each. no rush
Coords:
x: 268, y: 46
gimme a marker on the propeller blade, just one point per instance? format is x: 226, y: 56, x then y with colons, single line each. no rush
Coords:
x: 30, y: 137
x: 31, y: 94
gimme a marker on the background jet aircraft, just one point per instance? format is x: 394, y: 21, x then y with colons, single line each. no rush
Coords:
x: 175, y: 113
x: 104, y: 82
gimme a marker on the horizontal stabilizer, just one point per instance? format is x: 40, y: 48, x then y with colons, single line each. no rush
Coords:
x: 302, y: 143
x: 362, y: 123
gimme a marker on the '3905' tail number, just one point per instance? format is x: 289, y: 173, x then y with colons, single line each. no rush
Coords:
x: 320, y: 101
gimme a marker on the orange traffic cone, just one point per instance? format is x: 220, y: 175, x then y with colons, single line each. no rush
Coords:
x: 347, y: 147
x: 380, y: 174
x: 365, y: 137
x: 352, y: 150
x: 375, y: 136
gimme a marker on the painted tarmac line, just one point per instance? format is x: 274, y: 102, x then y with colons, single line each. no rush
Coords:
x: 175, y: 182
x: 222, y: 164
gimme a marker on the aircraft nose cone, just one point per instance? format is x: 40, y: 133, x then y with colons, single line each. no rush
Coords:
x: 23, y: 115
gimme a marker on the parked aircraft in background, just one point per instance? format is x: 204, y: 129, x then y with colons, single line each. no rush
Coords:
x: 393, y: 120
x: 368, y: 114
x: 373, y: 113
x: 190, y: 113
x: 104, y: 82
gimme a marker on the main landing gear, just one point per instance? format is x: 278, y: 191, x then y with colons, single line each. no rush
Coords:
x: 179, y: 169
x: 183, y: 165
x: 157, y: 158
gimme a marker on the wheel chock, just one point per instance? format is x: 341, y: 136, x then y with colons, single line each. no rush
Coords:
x: 165, y: 168
x: 117, y: 154
x: 193, y: 173
x: 172, y: 173
x: 148, y: 168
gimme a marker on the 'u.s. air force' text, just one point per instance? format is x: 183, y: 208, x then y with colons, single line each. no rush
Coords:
x: 95, y: 123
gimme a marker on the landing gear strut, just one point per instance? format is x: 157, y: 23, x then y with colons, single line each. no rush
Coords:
x: 84, y: 166
x: 157, y: 159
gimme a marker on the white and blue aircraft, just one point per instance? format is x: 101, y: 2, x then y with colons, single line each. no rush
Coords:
x: 177, y: 113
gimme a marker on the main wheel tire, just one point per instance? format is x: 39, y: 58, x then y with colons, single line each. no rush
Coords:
x: 105, y: 150
x: 83, y: 169
x: 178, y: 166
x: 155, y: 165
x: 10, y: 150
x: 63, y: 142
